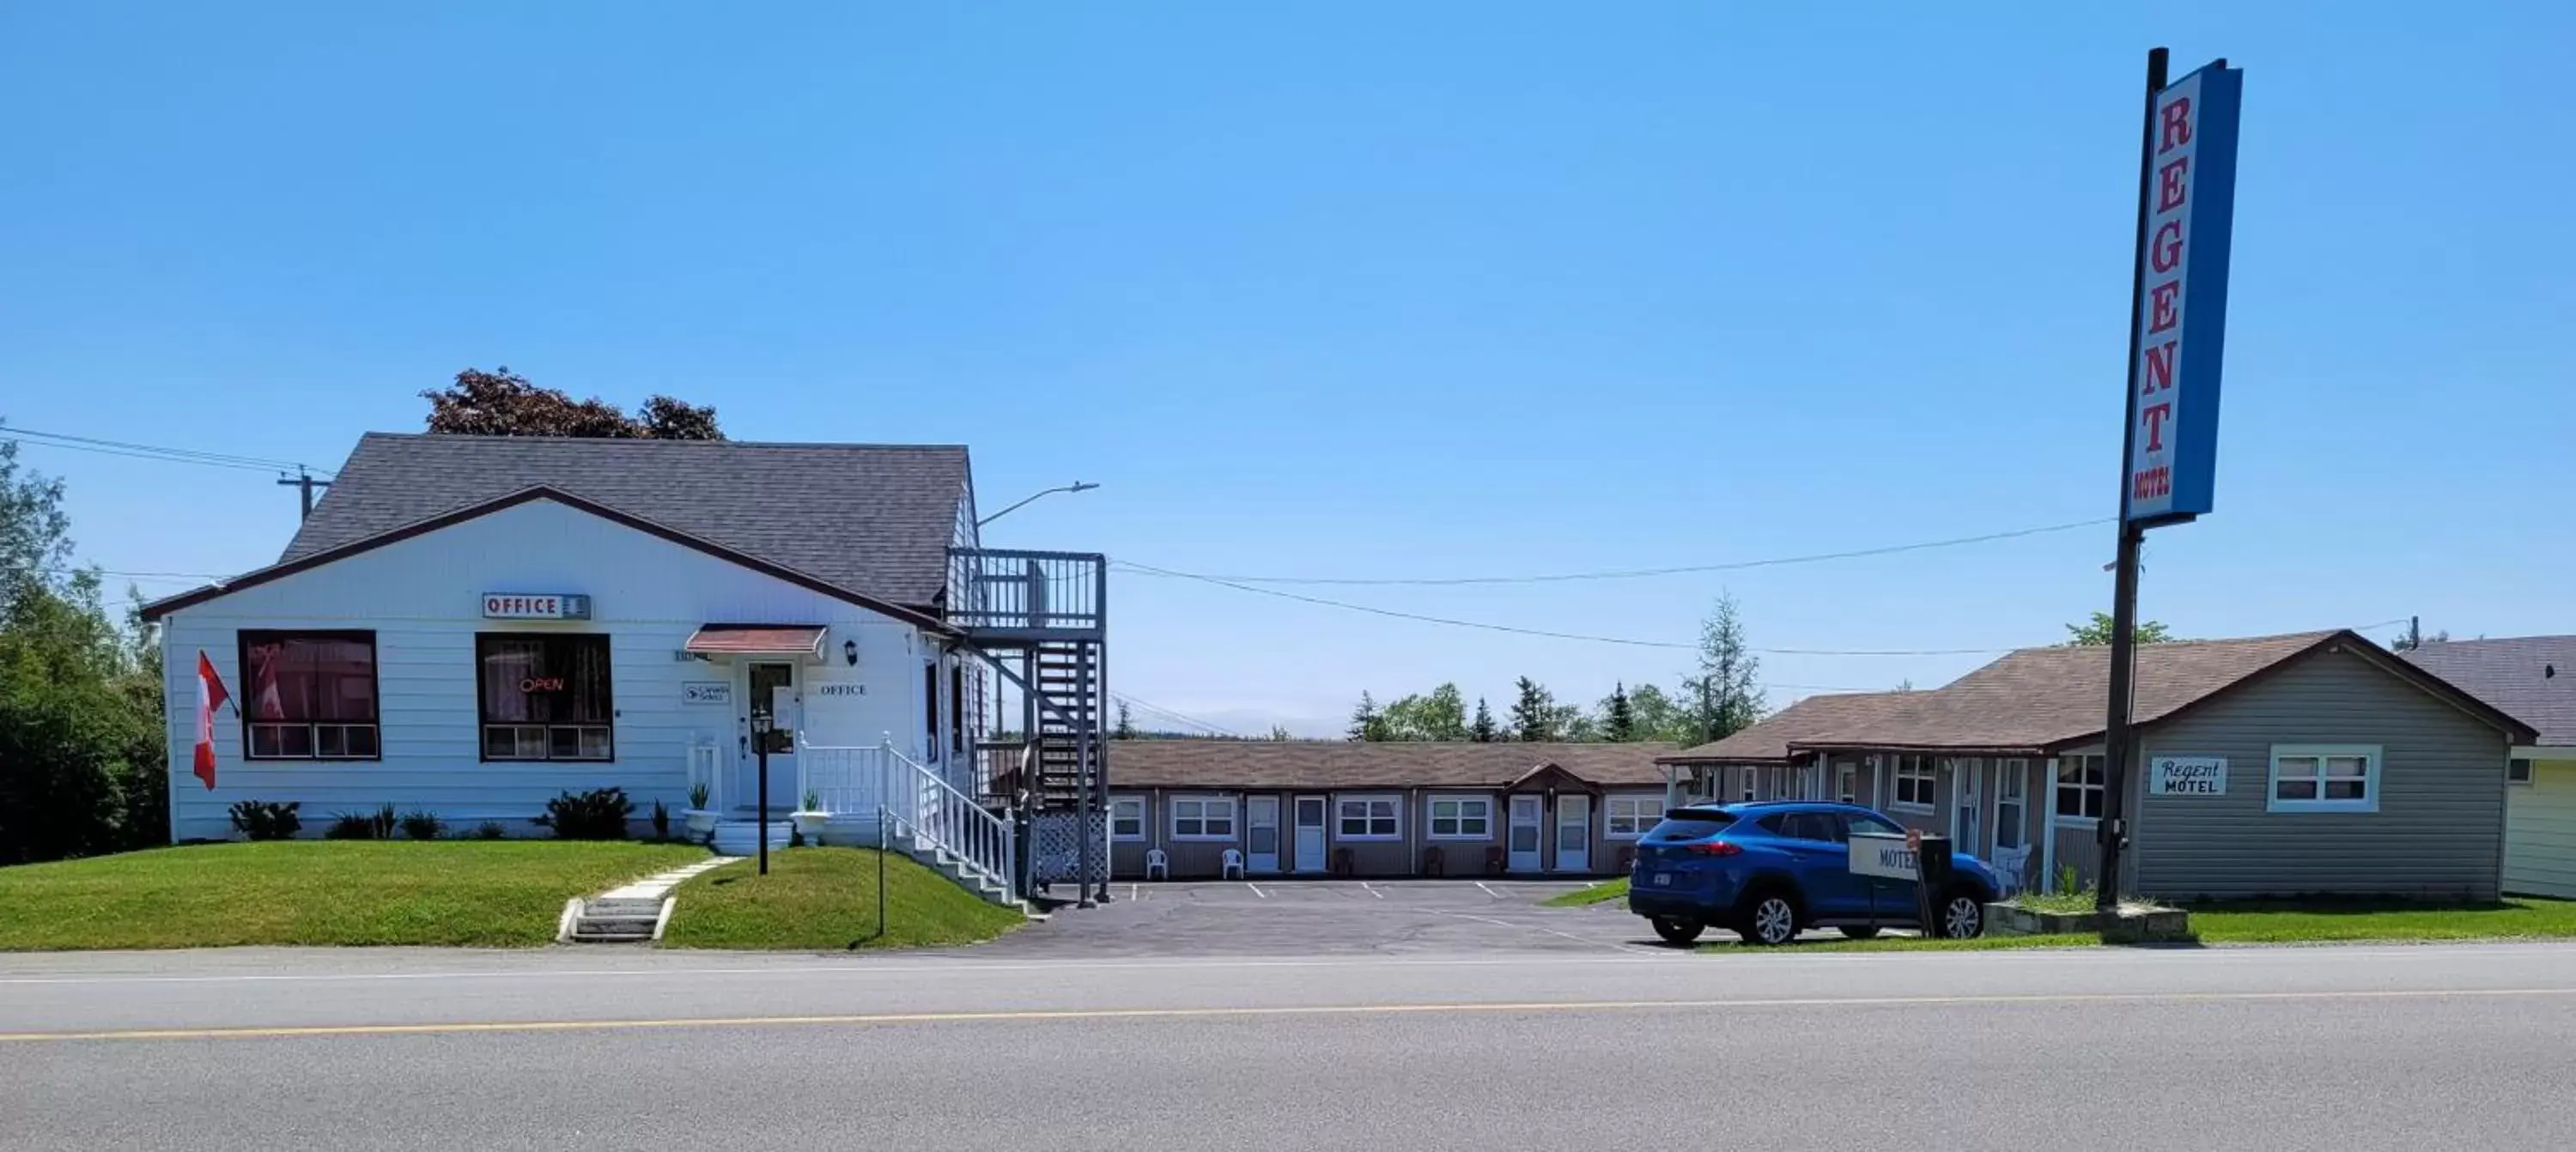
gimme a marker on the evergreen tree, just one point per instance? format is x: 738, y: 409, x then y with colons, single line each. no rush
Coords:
x: 1724, y: 698
x: 1366, y: 722
x: 1483, y: 731
x: 1126, y: 729
x: 1618, y: 720
x: 1536, y: 716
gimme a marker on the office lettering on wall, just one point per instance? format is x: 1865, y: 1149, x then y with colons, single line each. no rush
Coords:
x: 535, y: 606
x: 836, y: 691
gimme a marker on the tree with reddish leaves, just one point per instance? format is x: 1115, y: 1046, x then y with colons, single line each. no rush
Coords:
x: 504, y: 403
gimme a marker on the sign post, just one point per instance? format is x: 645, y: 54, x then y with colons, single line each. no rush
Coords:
x: 2177, y: 331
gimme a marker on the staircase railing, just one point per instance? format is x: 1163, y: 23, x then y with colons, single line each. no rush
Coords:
x: 858, y: 780
x: 941, y: 817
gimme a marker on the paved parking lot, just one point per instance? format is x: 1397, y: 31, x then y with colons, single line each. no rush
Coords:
x: 1284, y: 917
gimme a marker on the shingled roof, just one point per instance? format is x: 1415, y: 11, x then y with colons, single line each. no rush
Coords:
x: 1326, y: 765
x: 2038, y: 700
x: 1768, y: 741
x: 2531, y: 678
x: 874, y: 519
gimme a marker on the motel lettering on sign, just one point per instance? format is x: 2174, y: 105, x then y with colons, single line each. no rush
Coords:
x: 2182, y: 296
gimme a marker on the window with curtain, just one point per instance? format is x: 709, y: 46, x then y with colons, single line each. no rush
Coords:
x: 545, y: 696
x: 309, y: 696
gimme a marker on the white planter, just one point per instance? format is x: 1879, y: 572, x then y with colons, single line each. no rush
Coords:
x: 810, y: 825
x: 698, y: 821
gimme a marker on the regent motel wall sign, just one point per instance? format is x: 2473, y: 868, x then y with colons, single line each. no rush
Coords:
x: 535, y: 606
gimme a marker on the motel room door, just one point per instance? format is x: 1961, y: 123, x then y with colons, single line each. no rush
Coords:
x: 1528, y: 816
x: 1310, y: 833
x: 1574, y: 833
x: 1261, y: 833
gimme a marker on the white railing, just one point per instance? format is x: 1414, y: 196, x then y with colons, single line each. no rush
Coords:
x: 706, y: 766
x: 861, y: 781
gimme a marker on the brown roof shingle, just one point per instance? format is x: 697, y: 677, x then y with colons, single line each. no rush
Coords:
x: 1342, y: 764
x: 1769, y: 740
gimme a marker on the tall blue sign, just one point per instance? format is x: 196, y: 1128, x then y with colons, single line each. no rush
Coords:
x: 2182, y: 296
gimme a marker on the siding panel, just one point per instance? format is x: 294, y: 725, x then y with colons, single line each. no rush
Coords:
x: 2540, y: 832
x: 2438, y: 831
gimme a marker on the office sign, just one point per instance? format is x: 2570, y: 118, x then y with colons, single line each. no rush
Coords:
x: 710, y: 692
x: 2182, y: 295
x: 2187, y: 776
x: 535, y: 606
x: 1884, y: 856
x: 838, y: 691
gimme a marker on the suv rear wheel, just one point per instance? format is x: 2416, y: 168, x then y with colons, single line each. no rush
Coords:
x: 1676, y: 930
x: 1770, y: 919
x: 1962, y: 917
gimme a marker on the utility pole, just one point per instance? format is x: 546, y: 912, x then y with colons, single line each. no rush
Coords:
x: 304, y: 480
x: 2414, y: 633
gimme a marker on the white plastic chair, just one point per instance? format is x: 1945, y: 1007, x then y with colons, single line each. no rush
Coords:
x: 1157, y: 865
x: 2009, y: 865
x: 1232, y: 869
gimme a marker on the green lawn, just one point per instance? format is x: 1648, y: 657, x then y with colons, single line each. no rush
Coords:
x: 825, y: 899
x: 1602, y: 892
x: 2300, y: 921
x: 490, y: 894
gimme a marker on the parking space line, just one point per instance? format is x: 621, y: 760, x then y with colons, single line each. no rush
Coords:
x: 1372, y: 890
x: 1489, y: 891
x: 1135, y: 891
x: 1256, y: 889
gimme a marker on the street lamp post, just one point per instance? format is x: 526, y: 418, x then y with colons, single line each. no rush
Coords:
x: 1076, y: 486
x: 761, y: 724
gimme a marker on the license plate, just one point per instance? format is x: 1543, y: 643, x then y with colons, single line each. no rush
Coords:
x: 1663, y: 879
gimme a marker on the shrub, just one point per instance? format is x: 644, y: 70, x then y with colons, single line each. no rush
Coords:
x: 491, y: 830
x: 661, y: 821
x: 419, y: 824
x: 599, y: 814
x: 698, y: 796
x: 267, y: 820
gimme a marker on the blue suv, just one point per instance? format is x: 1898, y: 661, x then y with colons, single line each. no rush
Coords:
x: 1769, y: 870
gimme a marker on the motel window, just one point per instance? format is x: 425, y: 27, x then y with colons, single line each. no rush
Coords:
x: 1127, y: 818
x: 2079, y: 787
x: 2325, y: 778
x: 1845, y: 779
x: 1751, y: 776
x: 1629, y: 817
x: 2012, y: 799
x: 1370, y: 818
x: 930, y: 709
x: 545, y: 696
x: 957, y: 707
x: 309, y: 696
x: 2517, y: 771
x: 1202, y: 818
x: 1462, y: 818
x: 1914, y: 776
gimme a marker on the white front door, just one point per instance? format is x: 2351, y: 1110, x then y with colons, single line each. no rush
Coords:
x: 1261, y: 833
x: 1310, y: 833
x: 1968, y: 798
x: 765, y: 686
x: 1528, y: 816
x: 1574, y: 833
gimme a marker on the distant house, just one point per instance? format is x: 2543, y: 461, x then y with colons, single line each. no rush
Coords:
x: 2300, y: 764
x: 2534, y: 679
x: 1326, y: 807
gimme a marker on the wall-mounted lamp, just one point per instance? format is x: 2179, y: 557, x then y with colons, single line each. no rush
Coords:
x: 850, y: 652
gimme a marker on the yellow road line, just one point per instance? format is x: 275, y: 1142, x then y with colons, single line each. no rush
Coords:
x: 868, y: 1018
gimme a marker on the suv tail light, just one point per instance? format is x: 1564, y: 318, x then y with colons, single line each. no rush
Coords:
x: 1715, y: 848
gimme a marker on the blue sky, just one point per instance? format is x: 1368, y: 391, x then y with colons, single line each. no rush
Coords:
x: 1353, y: 290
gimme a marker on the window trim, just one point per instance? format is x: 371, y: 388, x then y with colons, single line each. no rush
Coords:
x: 483, y: 750
x: 1233, y: 818
x: 1144, y: 816
x: 375, y: 690
x: 1430, y: 814
x: 1931, y: 780
x: 1395, y: 799
x: 2017, y: 769
x: 2056, y: 785
x: 2371, y: 755
x: 1653, y: 814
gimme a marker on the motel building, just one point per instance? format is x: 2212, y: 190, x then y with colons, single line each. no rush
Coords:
x: 472, y: 625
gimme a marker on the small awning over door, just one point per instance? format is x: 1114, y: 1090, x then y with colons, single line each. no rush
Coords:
x: 777, y: 641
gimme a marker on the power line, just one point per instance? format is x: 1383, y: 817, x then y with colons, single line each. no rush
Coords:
x: 1636, y: 573
x: 1158, y: 709
x: 150, y: 451
x: 1544, y: 633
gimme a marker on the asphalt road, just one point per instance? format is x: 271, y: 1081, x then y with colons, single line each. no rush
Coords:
x: 2282, y: 1049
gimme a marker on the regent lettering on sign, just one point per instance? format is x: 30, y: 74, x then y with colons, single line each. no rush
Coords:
x: 2187, y: 776
x: 2182, y: 295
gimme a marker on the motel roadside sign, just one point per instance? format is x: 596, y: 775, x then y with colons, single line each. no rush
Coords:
x: 2182, y: 295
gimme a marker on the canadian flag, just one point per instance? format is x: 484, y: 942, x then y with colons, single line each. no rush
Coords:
x: 210, y: 696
